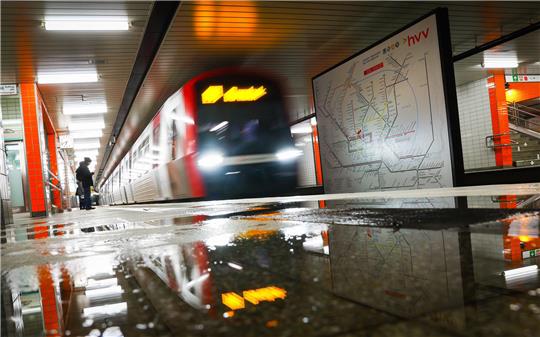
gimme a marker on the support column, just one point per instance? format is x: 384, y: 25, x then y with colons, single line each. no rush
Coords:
x: 499, y: 119
x: 31, y: 119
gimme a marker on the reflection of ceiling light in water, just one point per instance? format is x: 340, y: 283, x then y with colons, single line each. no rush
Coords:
x: 106, y: 310
x: 235, y: 266
x: 529, y: 270
x: 93, y: 284
x: 112, y: 291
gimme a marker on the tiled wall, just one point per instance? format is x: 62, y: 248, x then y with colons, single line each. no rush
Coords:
x: 5, y: 205
x: 10, y: 107
x: 11, y: 110
x: 475, y: 124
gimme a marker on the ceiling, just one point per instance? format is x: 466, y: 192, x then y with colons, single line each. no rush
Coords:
x: 294, y: 40
x: 525, y: 49
x: 28, y: 50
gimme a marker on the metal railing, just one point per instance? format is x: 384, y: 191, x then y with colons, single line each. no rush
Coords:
x: 492, y: 143
x: 522, y: 118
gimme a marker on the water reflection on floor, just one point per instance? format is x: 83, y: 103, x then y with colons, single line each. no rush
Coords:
x: 281, y: 269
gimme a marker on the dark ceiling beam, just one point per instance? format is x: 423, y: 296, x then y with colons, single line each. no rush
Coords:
x: 161, y: 17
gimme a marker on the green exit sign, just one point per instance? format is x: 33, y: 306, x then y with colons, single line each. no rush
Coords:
x: 530, y: 253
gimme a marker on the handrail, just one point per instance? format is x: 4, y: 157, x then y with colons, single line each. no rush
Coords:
x: 514, y: 108
x: 525, y: 106
x: 53, y: 175
x: 515, y: 115
x: 492, y: 145
x: 54, y: 186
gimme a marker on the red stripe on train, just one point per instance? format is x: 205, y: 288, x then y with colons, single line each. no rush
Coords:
x: 190, y: 144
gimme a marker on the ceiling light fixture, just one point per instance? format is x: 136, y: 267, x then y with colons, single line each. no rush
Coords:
x: 89, y: 23
x: 86, y: 124
x: 81, y: 134
x: 88, y: 146
x: 84, y: 109
x: 60, y: 78
x: 500, y: 64
x: 82, y: 141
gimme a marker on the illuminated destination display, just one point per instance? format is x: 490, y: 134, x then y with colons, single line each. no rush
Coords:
x: 214, y: 93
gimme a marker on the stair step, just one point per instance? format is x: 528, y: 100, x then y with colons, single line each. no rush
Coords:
x: 527, y: 162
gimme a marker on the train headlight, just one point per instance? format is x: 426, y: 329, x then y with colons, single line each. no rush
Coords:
x: 288, y: 154
x: 210, y: 160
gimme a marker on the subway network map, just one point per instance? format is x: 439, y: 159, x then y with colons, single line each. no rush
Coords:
x: 382, y: 118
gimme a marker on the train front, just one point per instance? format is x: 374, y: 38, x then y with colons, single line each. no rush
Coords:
x: 244, y: 144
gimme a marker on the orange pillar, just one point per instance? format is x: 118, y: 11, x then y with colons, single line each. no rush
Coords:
x: 317, y: 156
x: 32, y: 119
x: 499, y: 118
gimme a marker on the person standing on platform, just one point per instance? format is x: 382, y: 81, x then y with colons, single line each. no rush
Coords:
x: 80, y: 190
x: 85, y: 176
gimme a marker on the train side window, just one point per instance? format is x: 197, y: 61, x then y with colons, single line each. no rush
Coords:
x: 173, y: 139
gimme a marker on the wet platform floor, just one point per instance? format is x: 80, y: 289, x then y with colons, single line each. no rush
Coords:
x: 302, y: 266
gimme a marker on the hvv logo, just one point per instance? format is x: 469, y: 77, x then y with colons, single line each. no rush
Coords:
x: 416, y: 38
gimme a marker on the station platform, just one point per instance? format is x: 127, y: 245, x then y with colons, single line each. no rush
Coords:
x: 362, y: 264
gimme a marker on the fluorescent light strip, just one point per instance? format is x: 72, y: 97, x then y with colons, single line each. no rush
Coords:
x: 85, y: 77
x: 83, y: 134
x: 87, y: 153
x: 82, y: 141
x: 82, y: 155
x: 84, y: 109
x: 86, y: 125
x: 88, y: 146
x: 86, y: 23
x: 496, y: 64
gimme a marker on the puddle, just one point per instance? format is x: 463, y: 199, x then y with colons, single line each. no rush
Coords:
x: 276, y: 270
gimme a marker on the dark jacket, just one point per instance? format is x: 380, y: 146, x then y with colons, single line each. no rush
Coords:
x: 84, y: 175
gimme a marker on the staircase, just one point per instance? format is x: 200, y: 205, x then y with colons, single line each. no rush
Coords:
x: 525, y: 135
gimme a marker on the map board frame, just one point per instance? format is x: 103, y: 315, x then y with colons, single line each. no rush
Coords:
x: 448, y: 90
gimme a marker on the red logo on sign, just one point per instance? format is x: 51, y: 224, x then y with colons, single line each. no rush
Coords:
x: 372, y: 69
x: 411, y: 40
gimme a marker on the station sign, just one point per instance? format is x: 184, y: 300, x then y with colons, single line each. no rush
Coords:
x: 8, y: 89
x: 522, y: 78
x: 530, y: 253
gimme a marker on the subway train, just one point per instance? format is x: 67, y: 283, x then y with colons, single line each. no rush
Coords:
x: 224, y: 134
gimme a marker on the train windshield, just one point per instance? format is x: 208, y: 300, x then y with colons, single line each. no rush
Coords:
x: 241, y: 118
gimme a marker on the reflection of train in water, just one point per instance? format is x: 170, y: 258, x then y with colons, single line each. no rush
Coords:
x: 223, y: 134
